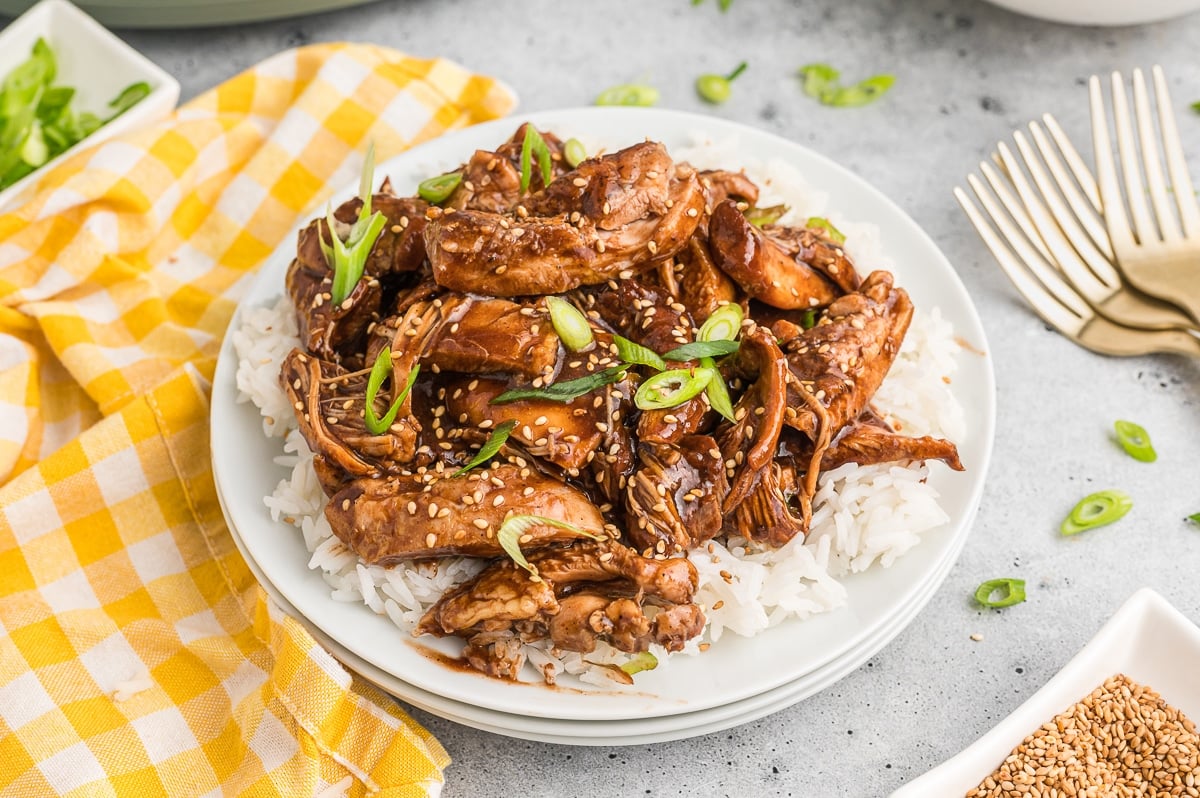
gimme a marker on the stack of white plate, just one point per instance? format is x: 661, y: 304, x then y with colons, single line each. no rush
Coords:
x: 738, y: 679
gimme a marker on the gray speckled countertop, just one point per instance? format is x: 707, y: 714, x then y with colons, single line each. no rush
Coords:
x: 967, y: 75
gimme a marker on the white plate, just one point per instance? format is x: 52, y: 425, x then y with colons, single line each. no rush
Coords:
x: 1147, y: 639
x: 615, y: 732
x: 877, y: 599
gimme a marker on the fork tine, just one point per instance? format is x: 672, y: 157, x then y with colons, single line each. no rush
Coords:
x: 1127, y: 147
x: 1163, y: 207
x: 1181, y: 182
x: 1017, y: 211
x: 1115, y: 218
x: 1083, y: 175
x: 1085, y: 209
x: 1062, y: 317
x: 1047, y: 224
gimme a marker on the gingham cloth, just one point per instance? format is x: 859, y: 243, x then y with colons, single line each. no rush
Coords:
x: 137, y: 655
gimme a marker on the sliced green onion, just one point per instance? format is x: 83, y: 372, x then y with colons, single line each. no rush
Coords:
x: 571, y: 325
x: 1135, y: 441
x: 1012, y: 591
x: 821, y: 222
x: 717, y: 392
x: 809, y: 319
x: 716, y: 89
x: 721, y: 4
x: 130, y: 96
x: 672, y: 388
x: 348, y: 258
x: 534, y: 146
x: 379, y: 372
x: 768, y: 215
x: 642, y: 661
x: 699, y: 349
x: 574, y: 153
x: 628, y: 94
x: 820, y: 81
x: 1196, y: 106
x: 632, y: 352
x: 1194, y: 517
x: 1098, y: 509
x: 725, y: 324
x: 437, y: 190
x: 492, y: 445
x: 514, y: 528
x: 565, y: 391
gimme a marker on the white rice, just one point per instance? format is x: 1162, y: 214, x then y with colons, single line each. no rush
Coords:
x: 861, y: 515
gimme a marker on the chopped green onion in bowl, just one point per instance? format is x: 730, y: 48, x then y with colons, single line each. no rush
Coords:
x: 1135, y: 441
x: 37, y: 119
x: 1011, y: 591
x: 1096, y: 510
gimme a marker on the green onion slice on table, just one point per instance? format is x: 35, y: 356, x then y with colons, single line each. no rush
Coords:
x: 1195, y: 517
x: 1096, y: 510
x: 514, y: 528
x: 492, y: 445
x: 716, y: 89
x: 672, y: 388
x: 437, y: 190
x: 1135, y: 441
x: 379, y: 372
x: 629, y: 94
x: 571, y: 325
x: 821, y: 82
x: 1011, y: 591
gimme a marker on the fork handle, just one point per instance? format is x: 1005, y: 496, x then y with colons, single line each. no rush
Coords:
x: 1171, y: 282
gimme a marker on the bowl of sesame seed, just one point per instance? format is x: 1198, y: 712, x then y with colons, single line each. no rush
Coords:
x: 1116, y: 720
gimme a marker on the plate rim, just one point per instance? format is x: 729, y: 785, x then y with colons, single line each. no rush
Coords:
x: 679, y: 123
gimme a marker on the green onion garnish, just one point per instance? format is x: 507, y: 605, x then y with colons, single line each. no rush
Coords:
x: 490, y: 447
x: 574, y: 153
x: 571, y: 325
x: 717, y: 392
x: 821, y: 83
x: 724, y: 324
x: 821, y: 222
x: 809, y: 319
x: 348, y: 258
x: 716, y: 89
x: 534, y: 145
x: 642, y: 661
x: 672, y: 388
x: 1097, y: 510
x: 437, y: 190
x: 379, y: 372
x: 515, y: 526
x: 1012, y: 591
x: 768, y: 215
x: 565, y: 391
x: 1194, y: 517
x: 632, y: 352
x: 1196, y: 106
x: 628, y: 94
x: 721, y: 4
x: 699, y: 349
x: 1135, y: 441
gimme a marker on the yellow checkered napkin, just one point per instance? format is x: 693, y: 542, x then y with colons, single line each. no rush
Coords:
x: 137, y: 655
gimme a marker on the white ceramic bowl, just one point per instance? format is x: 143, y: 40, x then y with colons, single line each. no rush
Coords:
x: 1147, y: 639
x: 95, y: 63
x: 1102, y: 12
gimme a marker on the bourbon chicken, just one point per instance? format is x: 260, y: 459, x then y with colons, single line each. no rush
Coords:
x: 455, y: 409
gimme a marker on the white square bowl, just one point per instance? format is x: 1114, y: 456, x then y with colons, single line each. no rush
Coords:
x: 1147, y: 639
x: 92, y: 61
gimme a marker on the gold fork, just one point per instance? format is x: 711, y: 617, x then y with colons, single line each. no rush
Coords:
x: 1059, y: 217
x: 1051, y: 297
x: 1160, y: 254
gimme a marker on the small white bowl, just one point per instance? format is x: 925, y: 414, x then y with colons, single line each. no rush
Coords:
x: 92, y: 61
x: 1147, y: 639
x: 1102, y: 12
